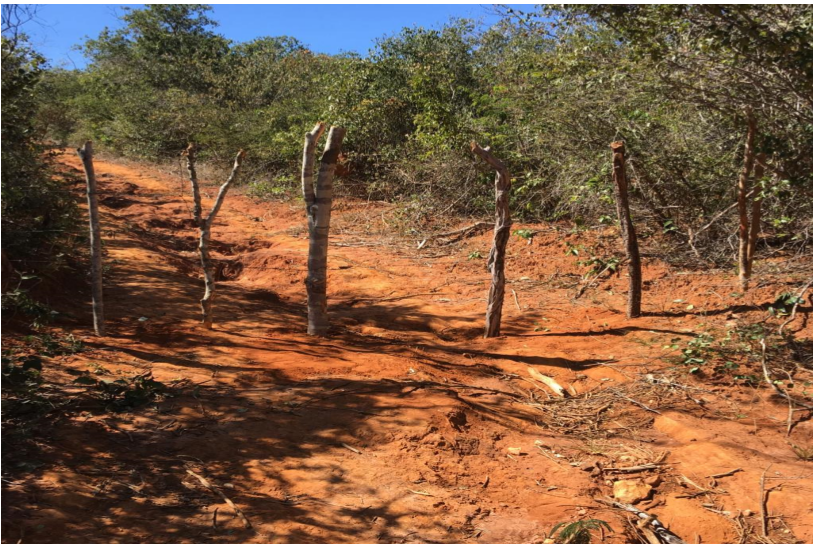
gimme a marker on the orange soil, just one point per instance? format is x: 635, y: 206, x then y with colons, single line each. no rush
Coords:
x: 274, y: 407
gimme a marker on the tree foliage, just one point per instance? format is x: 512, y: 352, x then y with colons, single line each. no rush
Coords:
x: 548, y: 90
x: 36, y: 210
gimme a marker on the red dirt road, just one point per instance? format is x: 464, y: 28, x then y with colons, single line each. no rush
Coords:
x: 397, y: 427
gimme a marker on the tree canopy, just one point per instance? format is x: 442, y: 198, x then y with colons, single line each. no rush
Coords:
x: 547, y: 89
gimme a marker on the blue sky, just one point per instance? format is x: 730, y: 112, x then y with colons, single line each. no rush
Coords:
x: 323, y: 28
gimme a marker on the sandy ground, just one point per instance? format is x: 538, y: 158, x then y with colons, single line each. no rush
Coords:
x: 397, y: 427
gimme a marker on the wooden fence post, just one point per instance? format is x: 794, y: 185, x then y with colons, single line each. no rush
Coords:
x: 501, y: 234
x: 205, y: 228
x: 627, y: 228
x: 743, y: 260
x: 86, y: 155
x: 318, y: 199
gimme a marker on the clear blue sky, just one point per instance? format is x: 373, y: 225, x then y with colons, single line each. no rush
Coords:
x: 323, y: 28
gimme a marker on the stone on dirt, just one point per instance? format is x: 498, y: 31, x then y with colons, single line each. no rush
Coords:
x: 631, y: 491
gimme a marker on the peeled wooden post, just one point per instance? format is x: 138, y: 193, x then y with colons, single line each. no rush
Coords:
x: 205, y: 227
x: 318, y: 199
x: 501, y: 234
x: 756, y: 209
x: 86, y: 154
x: 627, y: 228
x: 744, y: 262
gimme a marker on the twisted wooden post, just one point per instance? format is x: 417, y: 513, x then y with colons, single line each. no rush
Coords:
x: 627, y: 228
x: 501, y: 234
x: 86, y: 155
x: 318, y: 199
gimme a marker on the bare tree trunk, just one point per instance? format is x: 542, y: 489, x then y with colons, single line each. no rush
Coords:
x: 627, y: 228
x: 501, y: 234
x: 86, y: 154
x: 205, y: 228
x: 756, y: 210
x: 742, y: 202
x: 318, y: 211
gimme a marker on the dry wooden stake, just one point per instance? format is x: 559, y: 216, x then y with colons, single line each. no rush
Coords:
x: 318, y: 199
x: 501, y: 234
x: 756, y: 209
x: 86, y: 155
x: 742, y: 201
x: 627, y: 228
x: 205, y: 227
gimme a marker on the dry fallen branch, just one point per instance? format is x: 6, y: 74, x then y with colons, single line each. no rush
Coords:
x: 549, y: 381
x: 218, y: 492
x: 763, y: 500
x: 515, y: 297
x: 595, y: 278
x: 457, y: 234
x: 638, y: 468
x: 795, y: 306
x: 724, y: 474
x: 660, y: 531
x: 776, y: 387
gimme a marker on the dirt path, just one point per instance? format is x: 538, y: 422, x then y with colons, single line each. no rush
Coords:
x: 397, y: 427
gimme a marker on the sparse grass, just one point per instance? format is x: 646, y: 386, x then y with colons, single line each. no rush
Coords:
x: 578, y: 532
x: 805, y: 453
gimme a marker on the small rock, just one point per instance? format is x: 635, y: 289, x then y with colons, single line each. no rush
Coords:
x: 631, y: 491
x: 747, y: 513
x: 588, y: 467
x: 514, y: 450
x: 654, y: 481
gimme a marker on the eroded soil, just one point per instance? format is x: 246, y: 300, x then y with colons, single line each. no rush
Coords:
x: 396, y: 428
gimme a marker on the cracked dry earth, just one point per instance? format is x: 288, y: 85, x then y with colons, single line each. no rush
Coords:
x: 404, y: 425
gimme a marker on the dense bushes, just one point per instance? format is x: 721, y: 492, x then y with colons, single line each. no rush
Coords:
x: 37, y: 211
x: 549, y: 91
